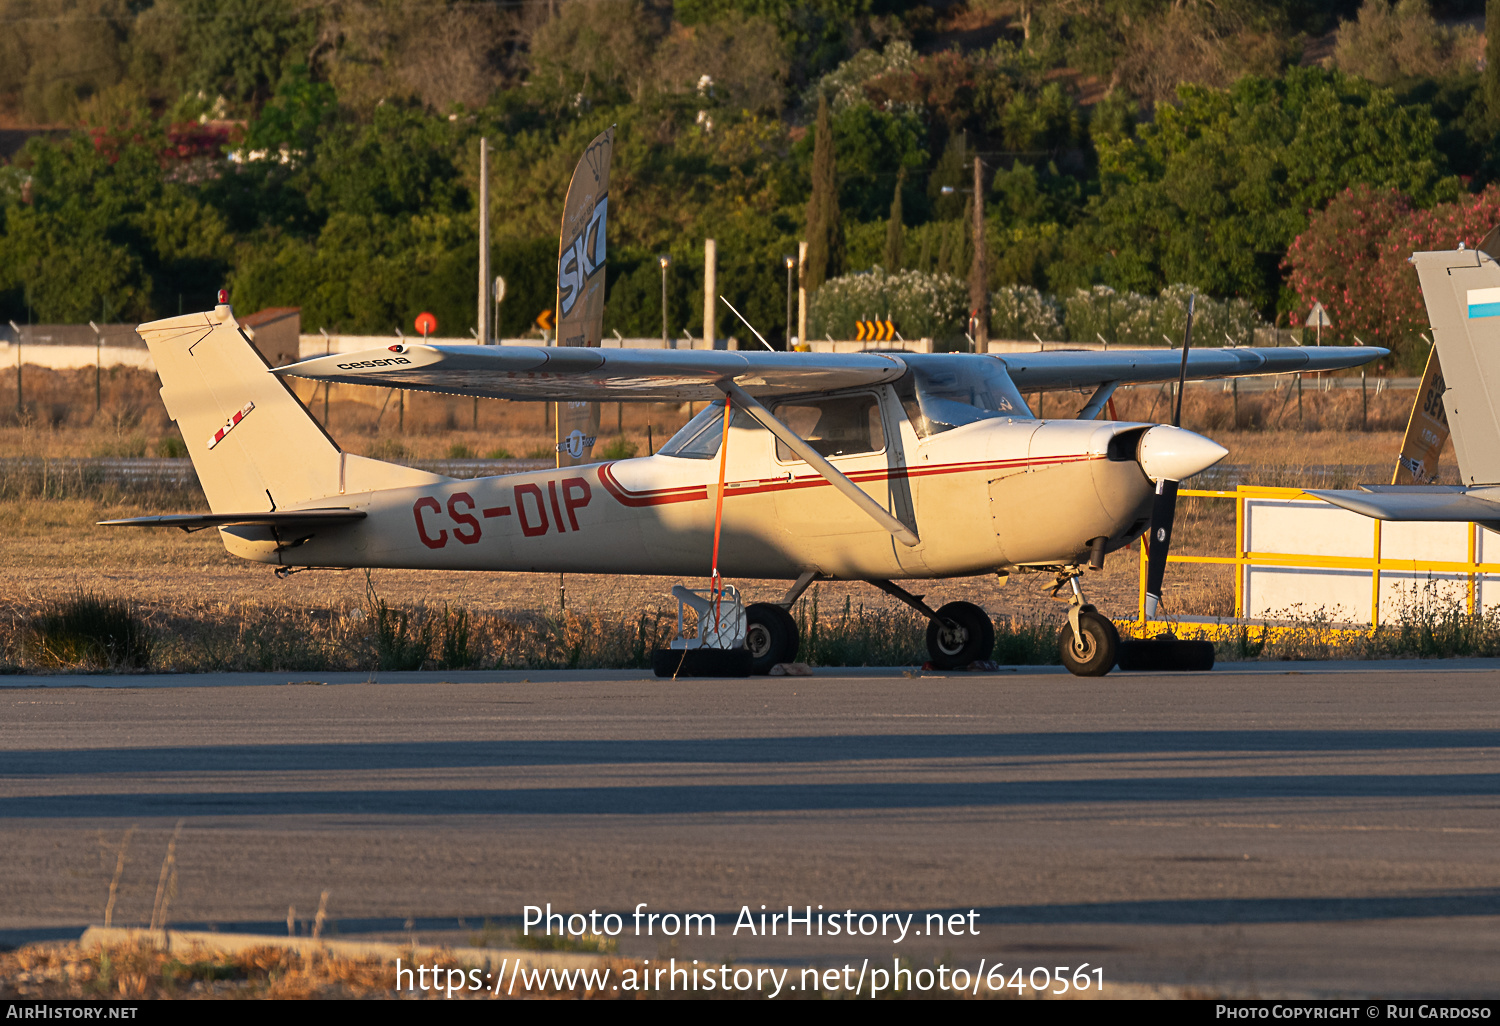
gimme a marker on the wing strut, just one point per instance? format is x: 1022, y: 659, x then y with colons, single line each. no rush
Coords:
x: 1097, y: 400
x: 852, y: 491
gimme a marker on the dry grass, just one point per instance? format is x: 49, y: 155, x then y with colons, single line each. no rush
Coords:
x: 64, y: 971
x: 212, y: 611
x: 127, y: 972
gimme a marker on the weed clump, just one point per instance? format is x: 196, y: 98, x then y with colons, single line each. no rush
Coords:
x: 618, y: 449
x: 93, y: 631
x: 590, y: 943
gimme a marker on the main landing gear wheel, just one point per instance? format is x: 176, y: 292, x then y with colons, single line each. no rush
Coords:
x: 1097, y: 654
x: 962, y: 634
x: 771, y: 636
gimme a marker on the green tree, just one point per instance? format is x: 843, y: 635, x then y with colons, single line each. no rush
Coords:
x: 1214, y: 190
x: 825, y: 230
x: 1392, y: 40
x: 403, y: 161
x: 237, y: 49
x: 873, y: 147
x: 102, y: 225
x: 293, y: 119
x: 952, y: 172
x: 895, y: 230
x: 1492, y: 56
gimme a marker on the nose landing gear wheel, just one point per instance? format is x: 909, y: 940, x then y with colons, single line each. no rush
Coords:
x: 962, y: 633
x: 1100, y: 648
x: 770, y: 635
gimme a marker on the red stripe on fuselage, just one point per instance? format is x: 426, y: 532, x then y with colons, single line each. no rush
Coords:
x: 654, y: 497
x: 690, y: 493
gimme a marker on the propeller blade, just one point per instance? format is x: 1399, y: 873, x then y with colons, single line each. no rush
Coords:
x: 1159, y: 542
x: 1164, y: 508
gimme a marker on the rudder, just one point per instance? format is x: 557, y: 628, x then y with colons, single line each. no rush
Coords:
x: 254, y: 445
x: 1462, y: 291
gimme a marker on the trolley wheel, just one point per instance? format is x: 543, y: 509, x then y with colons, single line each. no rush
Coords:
x: 770, y: 635
x: 700, y: 662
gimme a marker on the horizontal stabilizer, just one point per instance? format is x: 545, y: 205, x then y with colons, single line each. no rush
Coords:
x: 1419, y: 503
x: 277, y: 518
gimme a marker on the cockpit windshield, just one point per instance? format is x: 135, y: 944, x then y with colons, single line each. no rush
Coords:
x: 700, y: 437
x: 943, y: 393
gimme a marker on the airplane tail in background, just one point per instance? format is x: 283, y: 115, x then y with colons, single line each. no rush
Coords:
x: 254, y: 445
x: 1462, y: 291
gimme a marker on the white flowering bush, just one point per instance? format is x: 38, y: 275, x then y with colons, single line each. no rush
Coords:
x: 1020, y: 311
x: 844, y: 85
x: 1131, y: 319
x: 922, y: 305
x: 1216, y: 322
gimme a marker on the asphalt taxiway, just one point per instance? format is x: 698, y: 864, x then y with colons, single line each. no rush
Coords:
x: 1273, y: 829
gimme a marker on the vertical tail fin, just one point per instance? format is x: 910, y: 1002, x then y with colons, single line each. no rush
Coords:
x: 1462, y: 290
x: 254, y: 445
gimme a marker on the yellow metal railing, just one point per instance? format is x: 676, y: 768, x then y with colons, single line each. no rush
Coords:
x: 1374, y: 563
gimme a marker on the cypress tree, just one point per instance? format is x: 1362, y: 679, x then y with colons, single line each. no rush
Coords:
x: 1492, y: 57
x: 951, y: 170
x: 825, y: 228
x: 895, y: 231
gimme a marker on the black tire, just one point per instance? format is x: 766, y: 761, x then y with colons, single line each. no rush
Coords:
x: 1167, y: 655
x: 962, y: 634
x: 771, y: 637
x: 700, y: 662
x: 1100, y: 649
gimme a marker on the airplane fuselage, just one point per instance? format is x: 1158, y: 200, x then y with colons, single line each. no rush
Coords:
x: 994, y: 494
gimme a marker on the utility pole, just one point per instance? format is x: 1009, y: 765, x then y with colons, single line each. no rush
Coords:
x: 710, y: 292
x: 484, y: 242
x: 791, y: 263
x: 664, y: 261
x: 98, y: 366
x: 327, y: 349
x: 20, y: 403
x: 979, y: 275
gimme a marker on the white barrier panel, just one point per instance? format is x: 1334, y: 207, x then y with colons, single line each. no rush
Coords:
x: 1310, y: 527
x: 75, y: 357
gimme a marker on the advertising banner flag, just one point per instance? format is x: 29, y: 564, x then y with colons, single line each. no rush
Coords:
x: 580, y: 287
x: 1426, y: 431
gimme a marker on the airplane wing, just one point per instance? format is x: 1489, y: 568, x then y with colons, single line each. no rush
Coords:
x: 691, y: 375
x: 559, y: 373
x: 1086, y: 368
x: 1452, y: 503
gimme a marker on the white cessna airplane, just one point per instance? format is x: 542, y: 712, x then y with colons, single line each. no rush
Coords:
x: 878, y: 467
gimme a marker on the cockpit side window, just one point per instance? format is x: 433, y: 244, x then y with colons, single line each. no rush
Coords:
x: 844, y: 425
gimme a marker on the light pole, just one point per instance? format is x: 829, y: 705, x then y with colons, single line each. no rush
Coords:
x: 979, y: 299
x: 499, y: 295
x: 665, y: 261
x: 790, y: 262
